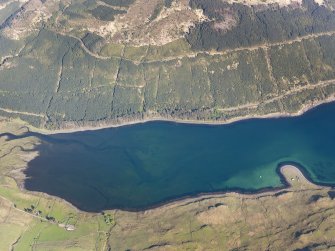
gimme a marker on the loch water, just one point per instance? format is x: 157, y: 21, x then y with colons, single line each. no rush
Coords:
x: 142, y: 165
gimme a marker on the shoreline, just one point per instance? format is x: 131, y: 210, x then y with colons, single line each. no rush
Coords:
x: 147, y: 119
x: 170, y: 201
x: 192, y: 198
x: 285, y: 184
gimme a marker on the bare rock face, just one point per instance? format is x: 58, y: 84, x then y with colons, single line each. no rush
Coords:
x: 29, y: 18
x: 93, y: 63
x: 136, y: 23
x: 281, y: 3
x: 96, y: 63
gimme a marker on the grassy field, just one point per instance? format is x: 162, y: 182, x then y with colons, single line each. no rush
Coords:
x: 301, y: 216
x: 34, y: 221
x: 96, y: 63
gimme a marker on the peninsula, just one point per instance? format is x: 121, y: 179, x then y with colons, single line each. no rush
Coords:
x: 298, y: 216
x: 107, y: 114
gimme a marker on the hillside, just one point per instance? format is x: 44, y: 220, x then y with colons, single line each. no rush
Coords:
x: 91, y: 63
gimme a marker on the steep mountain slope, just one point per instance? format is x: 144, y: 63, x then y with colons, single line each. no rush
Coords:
x: 92, y: 63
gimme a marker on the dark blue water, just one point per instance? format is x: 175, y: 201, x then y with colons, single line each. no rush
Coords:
x: 139, y: 166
